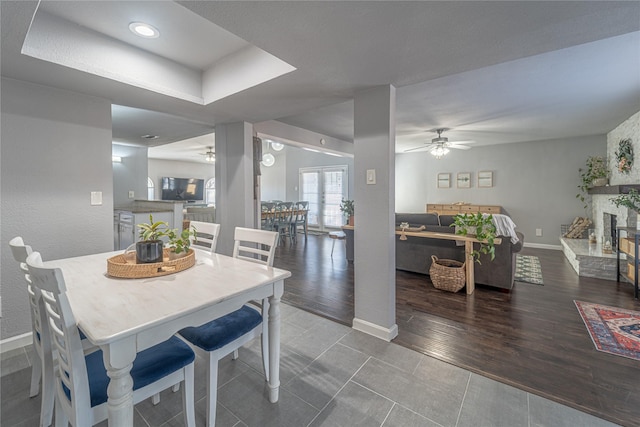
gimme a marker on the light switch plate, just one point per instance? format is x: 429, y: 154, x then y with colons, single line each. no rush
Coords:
x: 132, y: 194
x: 96, y: 198
x: 538, y: 232
x: 371, y: 176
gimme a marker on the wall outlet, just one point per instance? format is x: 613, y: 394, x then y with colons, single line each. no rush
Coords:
x: 132, y: 194
x: 538, y: 232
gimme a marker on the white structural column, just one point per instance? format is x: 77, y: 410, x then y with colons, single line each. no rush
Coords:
x: 234, y: 181
x: 374, y: 257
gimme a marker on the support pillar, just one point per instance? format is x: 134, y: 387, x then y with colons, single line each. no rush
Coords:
x: 374, y: 260
x: 234, y: 181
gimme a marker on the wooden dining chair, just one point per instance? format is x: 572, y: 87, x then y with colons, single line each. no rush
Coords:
x: 81, y: 381
x: 41, y: 355
x: 206, y: 237
x: 218, y: 338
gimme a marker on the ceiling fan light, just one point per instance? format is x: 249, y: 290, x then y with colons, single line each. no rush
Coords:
x: 210, y: 157
x: 439, y: 151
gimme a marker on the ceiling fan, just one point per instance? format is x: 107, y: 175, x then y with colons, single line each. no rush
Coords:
x: 210, y: 156
x: 439, y: 146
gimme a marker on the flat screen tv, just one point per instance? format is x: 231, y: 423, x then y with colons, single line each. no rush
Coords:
x: 182, y: 188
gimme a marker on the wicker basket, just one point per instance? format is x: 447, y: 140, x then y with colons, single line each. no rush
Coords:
x: 447, y: 274
x: 125, y: 267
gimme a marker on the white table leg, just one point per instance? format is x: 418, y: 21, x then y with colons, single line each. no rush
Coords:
x: 274, y: 347
x: 118, y: 360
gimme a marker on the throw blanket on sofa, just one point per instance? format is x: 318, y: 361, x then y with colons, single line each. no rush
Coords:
x: 505, y: 227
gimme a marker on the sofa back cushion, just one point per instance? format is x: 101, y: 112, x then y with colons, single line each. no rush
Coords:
x: 417, y: 219
x: 446, y: 220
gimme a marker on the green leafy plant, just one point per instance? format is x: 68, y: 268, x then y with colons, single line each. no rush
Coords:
x: 630, y: 200
x: 347, y: 207
x: 180, y: 241
x: 153, y: 230
x: 624, y: 156
x: 482, y: 227
x: 596, y: 168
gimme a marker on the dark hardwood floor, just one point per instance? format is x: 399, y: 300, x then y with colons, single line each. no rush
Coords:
x: 531, y: 338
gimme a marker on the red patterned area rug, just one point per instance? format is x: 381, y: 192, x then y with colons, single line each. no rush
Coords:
x: 613, y: 330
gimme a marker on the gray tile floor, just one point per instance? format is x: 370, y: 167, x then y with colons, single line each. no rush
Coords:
x: 331, y: 375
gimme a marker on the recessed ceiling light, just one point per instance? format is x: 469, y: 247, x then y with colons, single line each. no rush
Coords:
x: 149, y: 136
x: 144, y: 30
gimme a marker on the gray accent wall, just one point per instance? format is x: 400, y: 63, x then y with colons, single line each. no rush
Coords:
x: 536, y: 182
x: 159, y: 168
x: 130, y: 174
x: 56, y: 150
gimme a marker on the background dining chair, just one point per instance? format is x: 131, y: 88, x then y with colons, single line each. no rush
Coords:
x: 300, y: 218
x: 206, y: 235
x: 284, y: 218
x: 42, y: 357
x: 214, y: 340
x: 81, y: 381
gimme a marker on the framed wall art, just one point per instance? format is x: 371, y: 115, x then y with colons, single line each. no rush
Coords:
x: 464, y: 180
x: 485, y: 179
x: 444, y: 180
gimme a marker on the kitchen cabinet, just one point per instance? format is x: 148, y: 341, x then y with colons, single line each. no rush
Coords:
x: 629, y: 245
x: 125, y: 230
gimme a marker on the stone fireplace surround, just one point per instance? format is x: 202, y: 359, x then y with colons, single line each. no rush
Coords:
x: 589, y: 260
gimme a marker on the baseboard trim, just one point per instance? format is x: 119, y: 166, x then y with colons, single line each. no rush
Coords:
x: 377, y: 331
x: 15, y: 342
x: 543, y: 246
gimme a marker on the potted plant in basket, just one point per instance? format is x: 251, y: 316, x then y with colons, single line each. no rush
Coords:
x: 347, y: 209
x: 482, y: 227
x: 180, y: 242
x: 150, y: 247
x: 596, y: 174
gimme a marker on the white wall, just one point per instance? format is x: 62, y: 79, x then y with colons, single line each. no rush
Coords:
x: 130, y: 174
x: 536, y: 182
x: 56, y: 150
x: 177, y: 169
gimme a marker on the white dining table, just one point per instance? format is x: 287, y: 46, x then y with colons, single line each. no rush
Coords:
x: 126, y: 316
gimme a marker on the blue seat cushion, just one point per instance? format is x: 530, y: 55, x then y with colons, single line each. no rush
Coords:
x: 220, y: 332
x: 149, y: 366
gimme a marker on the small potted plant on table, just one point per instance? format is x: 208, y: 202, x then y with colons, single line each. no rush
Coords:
x: 347, y: 208
x: 480, y: 226
x: 150, y: 247
x: 180, y: 242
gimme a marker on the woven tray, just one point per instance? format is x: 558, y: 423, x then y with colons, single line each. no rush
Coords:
x: 125, y: 266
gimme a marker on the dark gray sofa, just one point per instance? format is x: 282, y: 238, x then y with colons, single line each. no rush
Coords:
x: 414, y: 254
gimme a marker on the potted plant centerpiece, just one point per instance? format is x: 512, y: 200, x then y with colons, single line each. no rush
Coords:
x: 150, y: 247
x: 180, y: 242
x: 596, y: 174
x: 347, y: 209
x: 482, y: 227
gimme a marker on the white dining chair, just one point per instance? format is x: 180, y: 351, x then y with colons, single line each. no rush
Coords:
x: 218, y: 338
x: 41, y: 355
x: 206, y: 237
x: 81, y: 381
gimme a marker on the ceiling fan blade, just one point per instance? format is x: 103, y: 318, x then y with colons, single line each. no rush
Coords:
x: 459, y: 147
x: 424, y: 147
x: 462, y: 142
